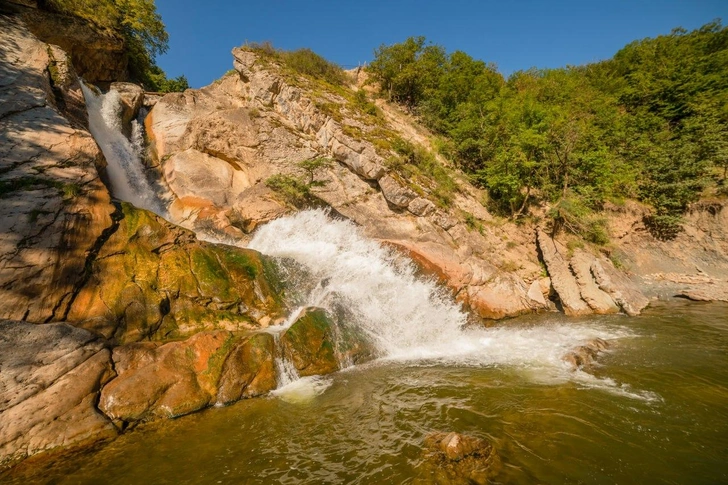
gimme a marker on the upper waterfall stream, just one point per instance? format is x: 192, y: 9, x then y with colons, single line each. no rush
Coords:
x: 124, y: 167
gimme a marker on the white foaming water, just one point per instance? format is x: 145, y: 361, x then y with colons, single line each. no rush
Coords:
x: 124, y: 166
x: 415, y: 320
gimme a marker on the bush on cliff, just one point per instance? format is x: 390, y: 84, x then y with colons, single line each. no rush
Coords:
x: 303, y: 61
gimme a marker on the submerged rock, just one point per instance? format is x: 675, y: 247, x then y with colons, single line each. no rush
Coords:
x: 459, y: 458
x: 50, y: 377
x: 585, y: 355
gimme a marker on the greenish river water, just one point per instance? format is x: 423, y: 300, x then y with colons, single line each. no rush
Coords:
x: 655, y: 412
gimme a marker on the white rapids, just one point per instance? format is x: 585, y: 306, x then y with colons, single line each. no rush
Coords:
x: 412, y: 319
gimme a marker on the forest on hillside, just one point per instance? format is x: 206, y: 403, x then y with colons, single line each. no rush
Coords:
x: 649, y: 124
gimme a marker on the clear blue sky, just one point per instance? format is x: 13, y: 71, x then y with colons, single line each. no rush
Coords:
x: 514, y: 34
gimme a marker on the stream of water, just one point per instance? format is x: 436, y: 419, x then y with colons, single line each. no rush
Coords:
x: 655, y: 410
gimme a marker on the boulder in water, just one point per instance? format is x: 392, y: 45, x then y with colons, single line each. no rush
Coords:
x: 460, y: 458
x: 310, y: 343
x: 585, y: 355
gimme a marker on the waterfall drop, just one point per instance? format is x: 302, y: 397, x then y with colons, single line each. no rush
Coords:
x: 411, y: 319
x: 125, y: 169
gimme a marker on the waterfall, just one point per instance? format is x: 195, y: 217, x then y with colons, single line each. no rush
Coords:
x: 125, y: 169
x: 377, y: 290
x: 408, y: 318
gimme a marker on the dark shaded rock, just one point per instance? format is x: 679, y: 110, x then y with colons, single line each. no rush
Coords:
x: 310, y: 343
x: 249, y: 369
x: 459, y: 458
x: 50, y: 377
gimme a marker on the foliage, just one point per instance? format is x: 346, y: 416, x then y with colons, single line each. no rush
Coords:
x: 651, y: 123
x: 142, y: 29
x: 303, y: 61
x: 297, y: 190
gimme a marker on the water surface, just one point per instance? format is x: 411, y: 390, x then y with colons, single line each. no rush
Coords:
x: 656, y: 412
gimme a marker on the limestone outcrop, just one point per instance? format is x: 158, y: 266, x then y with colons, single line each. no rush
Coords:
x: 586, y: 284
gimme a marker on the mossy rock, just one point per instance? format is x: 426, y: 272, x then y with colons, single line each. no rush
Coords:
x: 152, y: 280
x: 310, y: 343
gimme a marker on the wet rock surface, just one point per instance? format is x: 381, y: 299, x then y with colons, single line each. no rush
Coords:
x: 584, y: 356
x: 310, y: 343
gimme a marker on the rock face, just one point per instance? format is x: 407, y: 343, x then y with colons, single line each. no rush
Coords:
x: 460, y: 458
x: 585, y: 284
x: 693, y: 264
x: 54, y: 207
x: 97, y: 55
x: 153, y: 280
x: 124, y: 275
x: 50, y: 377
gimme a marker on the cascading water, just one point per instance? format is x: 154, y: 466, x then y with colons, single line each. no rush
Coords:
x: 408, y: 318
x: 404, y: 317
x: 124, y: 168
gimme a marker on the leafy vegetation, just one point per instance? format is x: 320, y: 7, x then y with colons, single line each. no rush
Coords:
x: 303, y: 61
x: 297, y: 190
x: 142, y: 29
x: 651, y: 124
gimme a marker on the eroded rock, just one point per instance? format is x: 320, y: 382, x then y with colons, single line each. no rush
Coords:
x: 600, y: 302
x: 562, y: 279
x: 164, y: 381
x: 50, y: 377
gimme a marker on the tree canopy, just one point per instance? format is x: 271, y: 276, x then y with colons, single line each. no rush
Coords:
x: 651, y: 124
x: 141, y: 26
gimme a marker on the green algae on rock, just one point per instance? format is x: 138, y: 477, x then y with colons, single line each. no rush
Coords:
x: 155, y: 281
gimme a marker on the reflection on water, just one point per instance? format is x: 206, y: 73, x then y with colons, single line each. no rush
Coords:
x: 369, y: 424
